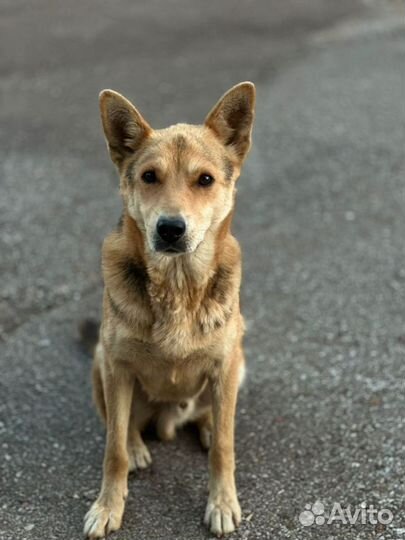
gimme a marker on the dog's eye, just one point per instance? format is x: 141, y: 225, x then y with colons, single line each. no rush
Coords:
x: 205, y: 180
x: 149, y: 177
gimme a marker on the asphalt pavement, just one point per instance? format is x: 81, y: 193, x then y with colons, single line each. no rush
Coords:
x: 321, y: 220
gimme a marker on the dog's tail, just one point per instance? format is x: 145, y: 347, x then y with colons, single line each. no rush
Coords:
x: 89, y: 330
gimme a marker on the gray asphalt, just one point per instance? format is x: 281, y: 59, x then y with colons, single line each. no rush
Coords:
x: 321, y: 221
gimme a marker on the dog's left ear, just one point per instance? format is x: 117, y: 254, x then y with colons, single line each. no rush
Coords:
x: 123, y: 125
x: 232, y: 118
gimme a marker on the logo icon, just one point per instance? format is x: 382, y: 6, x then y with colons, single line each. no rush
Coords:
x: 312, y: 514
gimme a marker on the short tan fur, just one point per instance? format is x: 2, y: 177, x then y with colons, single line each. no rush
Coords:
x: 170, y: 345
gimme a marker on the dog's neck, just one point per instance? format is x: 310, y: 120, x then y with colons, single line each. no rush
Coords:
x: 191, y: 270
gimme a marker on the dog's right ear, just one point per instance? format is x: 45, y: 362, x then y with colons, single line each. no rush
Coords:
x: 232, y: 118
x: 123, y: 125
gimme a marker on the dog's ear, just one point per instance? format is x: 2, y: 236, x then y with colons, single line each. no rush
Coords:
x: 232, y: 118
x: 123, y: 125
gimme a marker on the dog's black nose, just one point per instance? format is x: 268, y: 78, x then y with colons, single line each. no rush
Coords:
x: 171, y: 229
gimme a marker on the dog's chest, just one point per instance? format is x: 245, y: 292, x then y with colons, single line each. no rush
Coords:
x: 185, y: 320
x: 166, y: 381
x: 164, y: 375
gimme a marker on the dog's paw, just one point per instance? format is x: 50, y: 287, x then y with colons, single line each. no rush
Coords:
x: 205, y: 437
x: 139, y: 457
x: 223, y: 515
x: 102, y: 519
x: 166, y: 428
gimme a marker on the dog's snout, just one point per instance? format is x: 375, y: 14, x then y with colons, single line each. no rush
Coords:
x: 171, y: 229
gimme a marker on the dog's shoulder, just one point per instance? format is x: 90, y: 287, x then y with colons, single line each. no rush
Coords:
x: 121, y: 268
x: 126, y: 281
x: 228, y: 259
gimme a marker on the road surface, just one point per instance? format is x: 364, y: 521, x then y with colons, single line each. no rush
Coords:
x: 321, y: 220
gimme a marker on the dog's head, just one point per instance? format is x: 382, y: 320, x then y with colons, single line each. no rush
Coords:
x: 178, y: 183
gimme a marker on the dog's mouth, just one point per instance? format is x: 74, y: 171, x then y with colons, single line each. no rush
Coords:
x: 166, y: 248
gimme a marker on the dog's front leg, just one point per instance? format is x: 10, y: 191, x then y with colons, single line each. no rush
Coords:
x: 105, y: 515
x: 223, y: 512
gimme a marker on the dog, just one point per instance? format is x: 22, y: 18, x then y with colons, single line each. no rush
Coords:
x: 170, y: 343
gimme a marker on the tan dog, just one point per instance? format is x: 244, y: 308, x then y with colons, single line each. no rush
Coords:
x: 170, y: 347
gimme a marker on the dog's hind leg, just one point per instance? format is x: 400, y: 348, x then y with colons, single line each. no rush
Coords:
x: 167, y: 421
x: 141, y: 413
x: 98, y: 386
x: 172, y: 416
x: 204, y: 424
x: 203, y: 417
